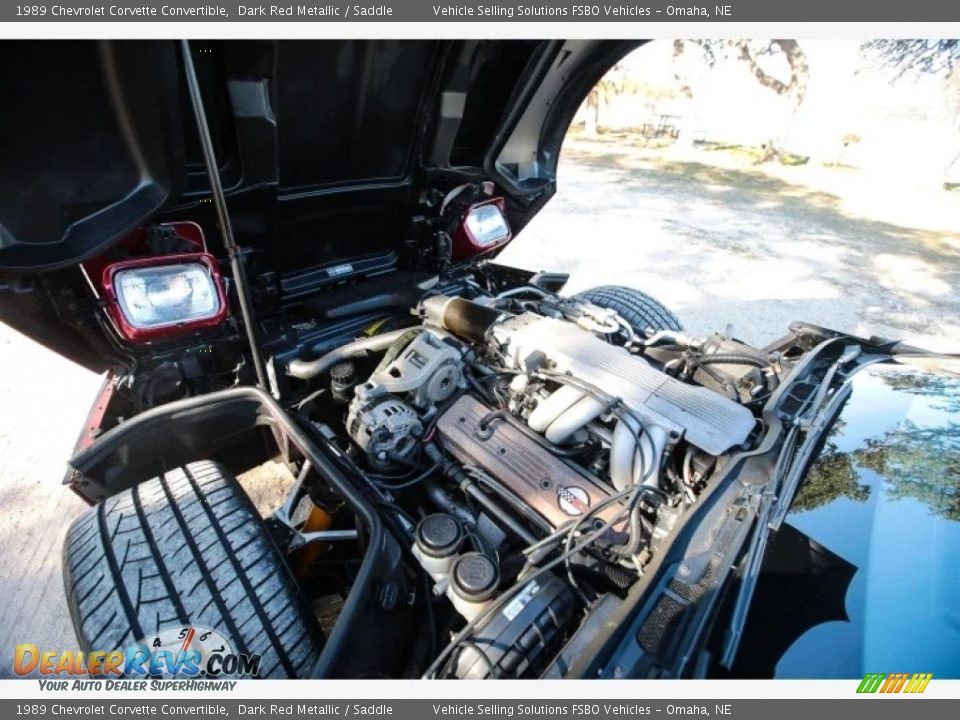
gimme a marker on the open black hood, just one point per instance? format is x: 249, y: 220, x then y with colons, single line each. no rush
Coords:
x: 325, y: 149
x: 101, y: 138
x: 88, y: 146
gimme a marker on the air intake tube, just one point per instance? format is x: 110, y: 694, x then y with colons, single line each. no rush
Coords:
x: 465, y: 319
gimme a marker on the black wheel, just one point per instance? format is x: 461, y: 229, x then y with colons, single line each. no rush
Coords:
x: 639, y: 309
x: 186, y: 549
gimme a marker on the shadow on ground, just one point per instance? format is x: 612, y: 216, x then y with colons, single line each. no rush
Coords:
x: 707, y: 237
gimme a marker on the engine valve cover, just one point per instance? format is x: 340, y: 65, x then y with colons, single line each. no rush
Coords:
x: 555, y: 490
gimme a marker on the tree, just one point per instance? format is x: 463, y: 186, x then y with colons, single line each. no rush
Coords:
x: 681, y: 77
x: 760, y: 57
x: 925, y: 57
x: 610, y: 85
x: 833, y: 476
x: 793, y: 90
x: 917, y: 461
x: 914, y: 56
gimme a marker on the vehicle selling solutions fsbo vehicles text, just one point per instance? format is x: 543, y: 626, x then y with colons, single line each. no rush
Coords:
x: 617, y: 10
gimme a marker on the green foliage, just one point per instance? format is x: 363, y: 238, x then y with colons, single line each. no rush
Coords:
x: 921, y: 464
x: 914, y: 56
x: 833, y: 476
x: 915, y: 460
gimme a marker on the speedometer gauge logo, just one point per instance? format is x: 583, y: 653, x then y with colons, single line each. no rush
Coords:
x: 201, y: 643
x: 190, y: 651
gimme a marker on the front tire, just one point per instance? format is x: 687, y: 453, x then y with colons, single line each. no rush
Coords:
x: 186, y: 549
x: 640, y: 310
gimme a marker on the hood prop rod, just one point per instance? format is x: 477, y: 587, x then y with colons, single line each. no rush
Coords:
x: 220, y: 201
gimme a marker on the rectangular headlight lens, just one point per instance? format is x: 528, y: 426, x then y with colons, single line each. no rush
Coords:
x: 151, y: 297
x: 487, y: 225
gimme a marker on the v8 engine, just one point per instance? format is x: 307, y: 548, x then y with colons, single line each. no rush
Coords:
x: 517, y: 431
x: 486, y: 479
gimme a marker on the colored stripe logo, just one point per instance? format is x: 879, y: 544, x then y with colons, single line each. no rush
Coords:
x: 894, y: 683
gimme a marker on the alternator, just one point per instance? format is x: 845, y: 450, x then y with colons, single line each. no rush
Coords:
x: 386, y: 428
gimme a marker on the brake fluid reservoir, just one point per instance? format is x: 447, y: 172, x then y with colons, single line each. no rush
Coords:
x: 473, y: 581
x: 437, y: 541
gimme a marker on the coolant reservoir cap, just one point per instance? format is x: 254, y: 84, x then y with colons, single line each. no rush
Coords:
x: 439, y: 535
x: 475, y: 577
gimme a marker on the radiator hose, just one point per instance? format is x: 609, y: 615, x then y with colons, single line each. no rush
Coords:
x: 309, y: 369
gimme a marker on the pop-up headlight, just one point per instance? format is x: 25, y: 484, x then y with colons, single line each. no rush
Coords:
x: 163, y: 296
x: 484, y: 227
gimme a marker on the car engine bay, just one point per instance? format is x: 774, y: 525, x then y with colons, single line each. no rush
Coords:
x: 475, y: 455
x: 486, y: 472
x: 481, y: 475
x: 532, y: 452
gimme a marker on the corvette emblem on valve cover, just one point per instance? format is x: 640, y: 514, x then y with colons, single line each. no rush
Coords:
x: 573, y: 500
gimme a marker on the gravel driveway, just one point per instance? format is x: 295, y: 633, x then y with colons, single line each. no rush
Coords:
x: 741, y: 245
x: 719, y: 245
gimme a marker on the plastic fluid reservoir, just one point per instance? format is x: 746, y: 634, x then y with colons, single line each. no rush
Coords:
x: 473, y: 581
x: 437, y: 541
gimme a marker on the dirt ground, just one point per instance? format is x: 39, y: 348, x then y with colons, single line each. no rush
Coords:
x: 719, y: 241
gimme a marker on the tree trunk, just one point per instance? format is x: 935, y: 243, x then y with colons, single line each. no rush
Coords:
x: 591, y: 120
x: 682, y: 80
x: 680, y: 75
x: 771, y: 150
x: 793, y: 91
x: 951, y: 99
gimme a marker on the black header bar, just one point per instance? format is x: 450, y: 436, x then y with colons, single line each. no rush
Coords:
x: 537, y: 11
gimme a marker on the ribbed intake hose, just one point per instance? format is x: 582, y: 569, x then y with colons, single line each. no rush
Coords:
x: 733, y: 359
